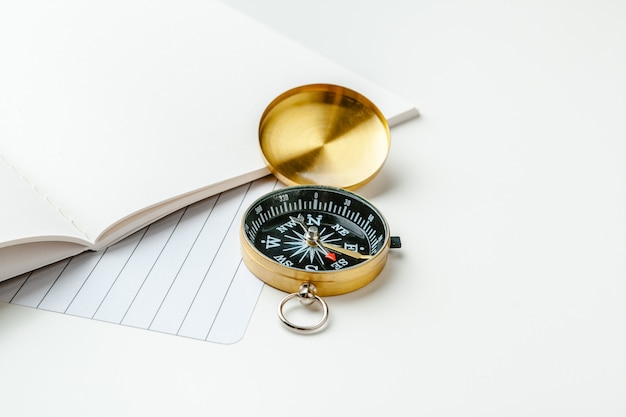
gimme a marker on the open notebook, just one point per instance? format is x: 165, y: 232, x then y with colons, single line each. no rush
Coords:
x: 115, y: 114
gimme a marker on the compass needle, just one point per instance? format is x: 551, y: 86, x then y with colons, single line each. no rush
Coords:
x: 347, y: 252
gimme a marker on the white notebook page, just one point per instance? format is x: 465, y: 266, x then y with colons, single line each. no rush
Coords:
x: 182, y: 275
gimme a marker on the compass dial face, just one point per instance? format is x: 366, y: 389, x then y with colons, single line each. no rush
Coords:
x: 315, y: 229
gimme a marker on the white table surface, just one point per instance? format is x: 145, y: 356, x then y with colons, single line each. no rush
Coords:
x: 508, y: 297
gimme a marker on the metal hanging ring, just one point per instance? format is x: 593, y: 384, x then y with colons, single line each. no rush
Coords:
x: 307, y: 295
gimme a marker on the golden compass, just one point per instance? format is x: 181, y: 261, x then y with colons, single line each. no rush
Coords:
x: 315, y: 238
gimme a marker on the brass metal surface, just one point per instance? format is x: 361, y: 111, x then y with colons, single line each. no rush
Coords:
x: 324, y: 134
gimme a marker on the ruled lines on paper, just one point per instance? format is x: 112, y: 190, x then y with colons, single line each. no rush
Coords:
x: 182, y: 275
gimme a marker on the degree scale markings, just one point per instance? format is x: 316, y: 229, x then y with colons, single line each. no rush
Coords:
x: 325, y: 204
x: 264, y: 214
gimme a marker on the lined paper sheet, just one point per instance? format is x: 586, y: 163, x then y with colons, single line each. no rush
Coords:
x: 182, y: 275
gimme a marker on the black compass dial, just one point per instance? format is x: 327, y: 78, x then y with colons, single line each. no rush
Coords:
x: 315, y: 228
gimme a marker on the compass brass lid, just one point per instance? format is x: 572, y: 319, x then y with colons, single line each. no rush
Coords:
x: 324, y: 134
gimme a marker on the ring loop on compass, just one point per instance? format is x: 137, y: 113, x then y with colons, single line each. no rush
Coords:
x: 307, y: 296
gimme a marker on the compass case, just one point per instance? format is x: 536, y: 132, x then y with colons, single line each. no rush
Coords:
x: 324, y: 134
x: 323, y: 235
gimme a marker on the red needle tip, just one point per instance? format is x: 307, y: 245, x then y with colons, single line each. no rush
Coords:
x: 331, y: 256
